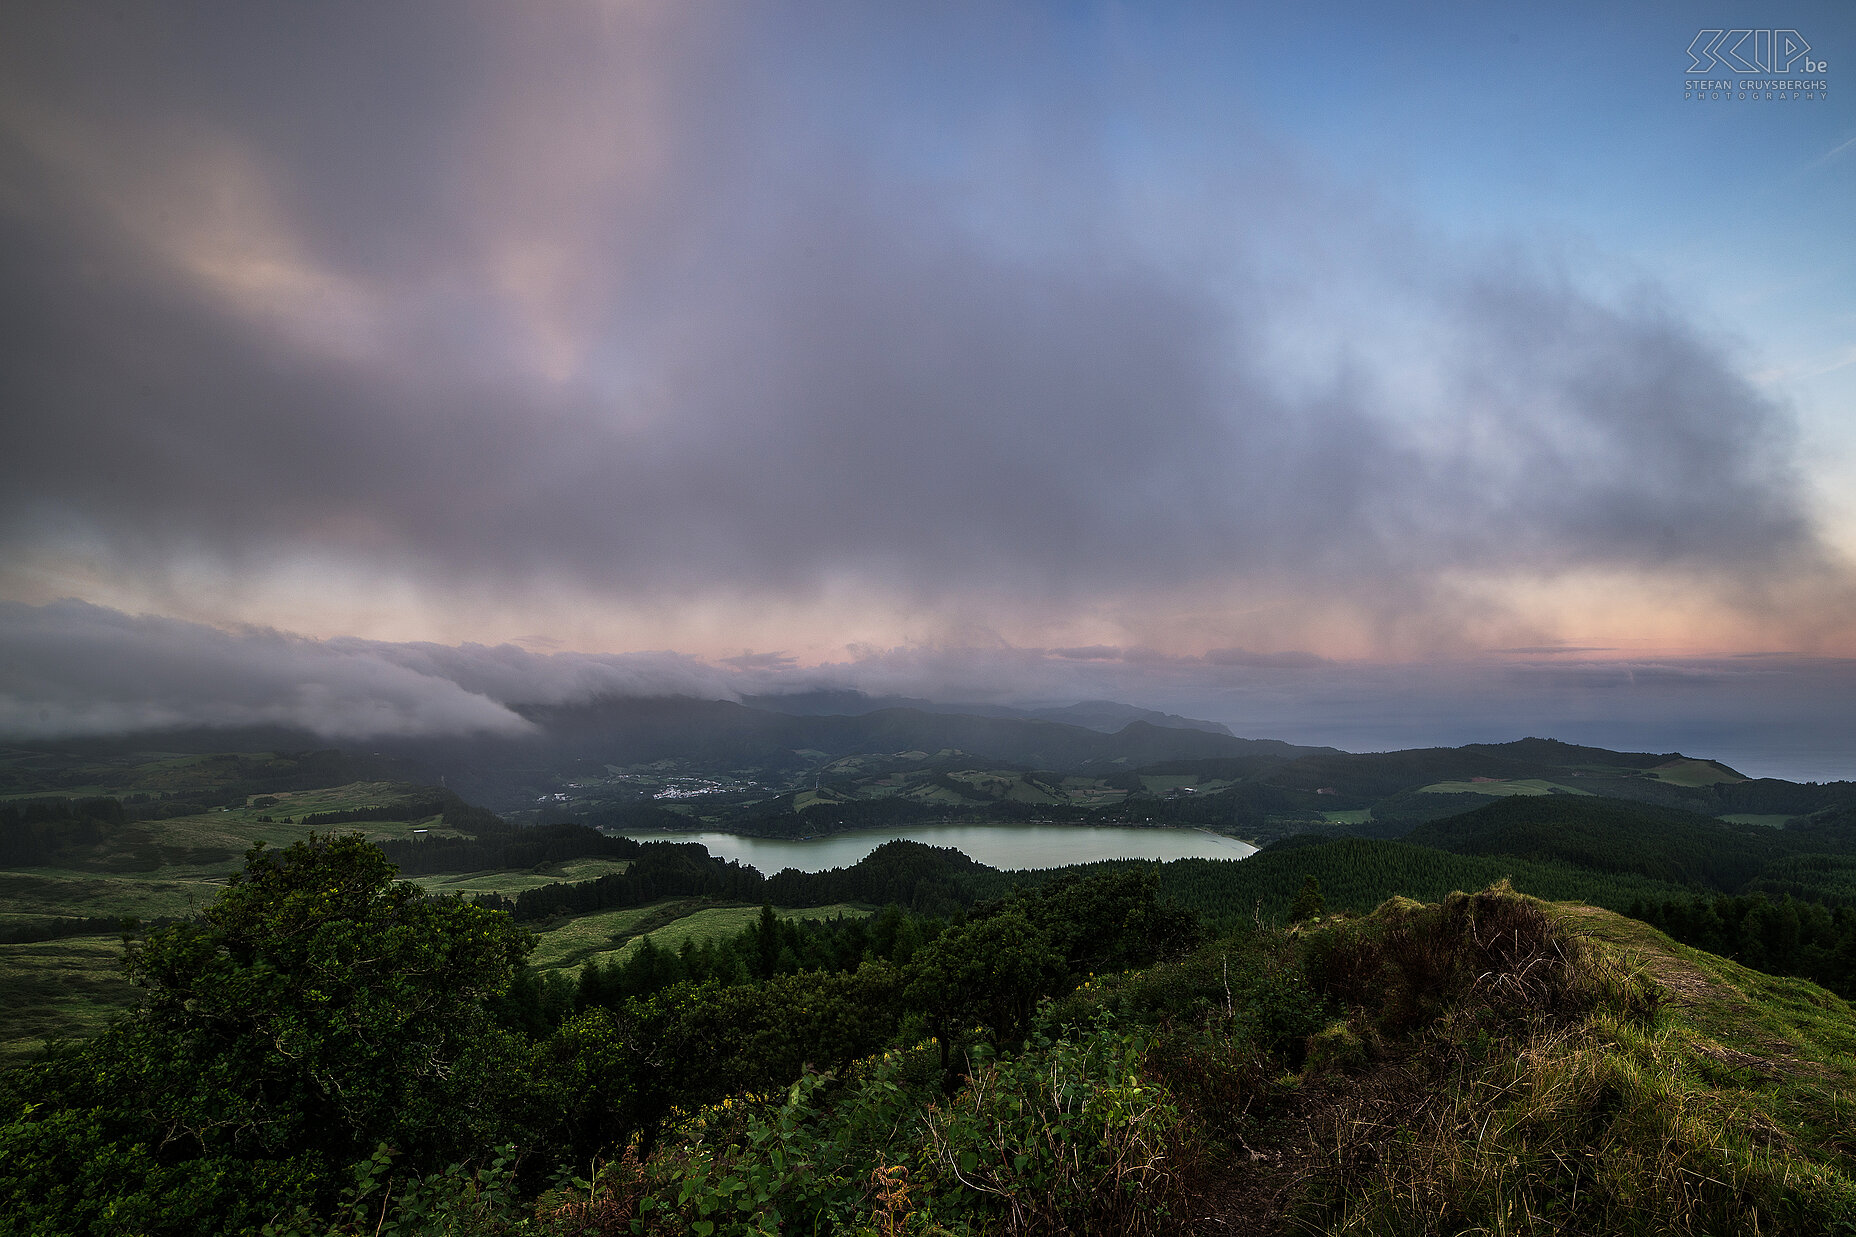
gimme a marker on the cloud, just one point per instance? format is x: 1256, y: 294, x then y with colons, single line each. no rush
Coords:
x: 76, y: 669
x: 630, y: 298
x: 71, y: 668
x: 760, y: 661
x: 1274, y: 661
x: 516, y: 676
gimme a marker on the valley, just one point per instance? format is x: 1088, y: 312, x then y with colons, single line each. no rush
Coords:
x: 112, y: 843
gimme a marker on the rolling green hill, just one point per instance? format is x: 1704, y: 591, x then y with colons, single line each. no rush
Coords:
x: 1613, y: 836
x: 728, y: 766
x: 1074, y: 1053
x: 1279, y: 1061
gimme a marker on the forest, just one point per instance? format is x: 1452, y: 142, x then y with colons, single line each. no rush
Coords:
x: 327, y: 1048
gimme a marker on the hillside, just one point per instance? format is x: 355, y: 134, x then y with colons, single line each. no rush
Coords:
x: 1609, y: 835
x: 1070, y: 1059
x: 834, y: 765
x: 1027, y: 1039
x: 1107, y: 716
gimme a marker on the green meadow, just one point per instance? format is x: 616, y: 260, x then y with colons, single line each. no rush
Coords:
x: 1516, y: 786
x: 58, y: 990
x: 511, y: 883
x: 611, y: 935
x: 1693, y: 773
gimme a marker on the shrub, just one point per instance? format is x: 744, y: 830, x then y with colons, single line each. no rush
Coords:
x: 1501, y: 953
x: 1070, y: 1139
x: 1337, y: 1048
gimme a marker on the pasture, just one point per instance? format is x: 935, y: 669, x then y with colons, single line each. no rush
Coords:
x: 1510, y: 786
x: 58, y: 990
x: 612, y: 935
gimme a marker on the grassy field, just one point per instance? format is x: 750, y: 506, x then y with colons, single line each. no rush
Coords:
x: 1777, y: 1054
x: 811, y: 798
x: 571, y: 944
x: 510, y: 883
x: 175, y: 867
x: 227, y: 835
x: 70, y: 987
x: 61, y: 989
x: 213, y: 843
x: 1693, y: 773
x: 172, y: 868
x: 182, y: 889
x: 1755, y: 818
x: 611, y: 935
x: 36, y: 892
x: 1517, y: 786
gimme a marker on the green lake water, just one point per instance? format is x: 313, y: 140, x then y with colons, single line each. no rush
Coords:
x: 1007, y: 847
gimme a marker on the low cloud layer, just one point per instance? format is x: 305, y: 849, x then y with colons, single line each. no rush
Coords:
x: 73, y: 669
x: 76, y: 669
x: 492, y: 301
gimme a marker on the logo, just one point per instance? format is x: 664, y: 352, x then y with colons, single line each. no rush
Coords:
x: 1754, y: 66
x: 1751, y: 51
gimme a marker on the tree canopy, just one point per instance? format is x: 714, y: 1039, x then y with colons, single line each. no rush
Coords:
x: 318, y: 1008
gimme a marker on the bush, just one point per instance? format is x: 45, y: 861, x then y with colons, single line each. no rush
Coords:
x: 1069, y: 1139
x: 316, y: 1009
x: 1406, y: 963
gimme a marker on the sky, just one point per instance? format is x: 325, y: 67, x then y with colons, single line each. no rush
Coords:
x: 1348, y: 375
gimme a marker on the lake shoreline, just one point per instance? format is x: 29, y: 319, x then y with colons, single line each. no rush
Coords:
x: 1007, y: 847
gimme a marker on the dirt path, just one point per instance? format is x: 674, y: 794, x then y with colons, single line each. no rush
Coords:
x: 1682, y: 980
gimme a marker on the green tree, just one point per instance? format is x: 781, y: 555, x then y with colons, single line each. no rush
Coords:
x: 1308, y: 903
x: 318, y: 1008
x: 766, y: 943
x: 987, y: 972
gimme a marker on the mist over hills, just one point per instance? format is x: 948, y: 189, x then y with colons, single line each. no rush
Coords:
x: 568, y: 742
x: 823, y: 762
x: 1107, y: 716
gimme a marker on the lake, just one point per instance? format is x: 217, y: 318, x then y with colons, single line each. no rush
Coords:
x: 1008, y: 847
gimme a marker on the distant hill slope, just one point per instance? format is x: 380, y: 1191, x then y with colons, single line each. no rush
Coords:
x: 1610, y: 835
x: 630, y: 731
x: 1107, y: 716
x: 759, y: 770
x: 1405, y: 788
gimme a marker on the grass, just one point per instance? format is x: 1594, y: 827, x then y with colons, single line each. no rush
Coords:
x: 1651, y: 1089
x: 612, y: 935
x: 1022, y: 791
x: 232, y: 833
x: 1769, y: 820
x: 571, y: 944
x: 1516, y: 786
x: 58, y: 989
x: 1693, y: 773
x: 1747, y: 1009
x: 937, y: 794
x: 509, y: 883
x: 173, y: 867
x: 211, y: 844
x: 53, y: 892
x: 1357, y: 817
x: 91, y: 791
